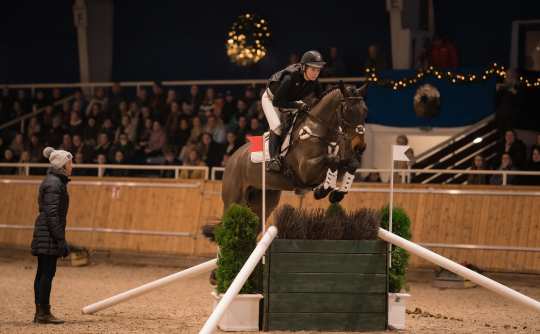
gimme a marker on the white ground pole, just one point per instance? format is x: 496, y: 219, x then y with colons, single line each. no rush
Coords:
x: 127, y: 295
x: 212, y: 322
x: 458, y: 269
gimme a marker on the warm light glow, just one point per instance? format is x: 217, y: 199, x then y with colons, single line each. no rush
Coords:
x: 246, y: 44
x: 477, y: 140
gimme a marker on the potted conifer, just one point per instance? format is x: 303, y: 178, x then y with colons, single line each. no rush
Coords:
x: 236, y: 237
x: 397, y: 297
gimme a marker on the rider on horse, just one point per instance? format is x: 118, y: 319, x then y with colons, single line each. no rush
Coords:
x: 283, y: 98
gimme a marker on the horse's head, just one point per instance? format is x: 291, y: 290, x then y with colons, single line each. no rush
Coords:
x: 352, y: 118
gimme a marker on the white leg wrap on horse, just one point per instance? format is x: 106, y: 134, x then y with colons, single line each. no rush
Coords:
x: 331, y: 179
x: 347, y: 182
x: 271, y: 114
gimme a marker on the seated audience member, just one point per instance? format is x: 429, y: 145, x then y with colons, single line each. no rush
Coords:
x: 170, y: 160
x: 254, y: 128
x: 35, y: 148
x: 90, y: 132
x: 184, y: 152
x: 210, y: 150
x: 196, y: 128
x: 216, y: 129
x: 232, y: 144
x: 506, y: 164
x: 103, y: 145
x: 157, y: 140
x: 126, y: 147
x: 79, y: 160
x: 124, y: 128
x: 179, y: 138
x: 193, y: 159
x: 67, y: 143
x: 534, y: 166
x: 80, y: 147
x: 242, y: 129
x: 17, y: 145
x: 514, y: 147
x: 75, y: 125
x: 373, y: 177
x: 118, y: 160
x: 55, y: 134
x: 9, y: 157
x: 101, y: 159
x: 108, y: 128
x: 478, y: 164
x: 34, y: 127
x: 24, y: 158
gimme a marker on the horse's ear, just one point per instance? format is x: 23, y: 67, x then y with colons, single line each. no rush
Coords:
x: 341, y: 86
x: 361, y: 91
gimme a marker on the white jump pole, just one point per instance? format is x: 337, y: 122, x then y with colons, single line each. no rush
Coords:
x: 127, y: 295
x: 212, y: 322
x: 458, y: 269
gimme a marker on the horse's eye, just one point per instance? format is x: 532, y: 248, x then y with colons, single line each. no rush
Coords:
x: 360, y: 129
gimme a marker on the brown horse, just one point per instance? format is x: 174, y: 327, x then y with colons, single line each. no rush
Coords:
x: 338, y: 118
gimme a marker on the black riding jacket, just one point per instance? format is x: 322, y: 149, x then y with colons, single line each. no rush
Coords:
x: 289, y: 86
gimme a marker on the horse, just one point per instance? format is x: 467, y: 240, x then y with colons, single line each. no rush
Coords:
x: 330, y: 136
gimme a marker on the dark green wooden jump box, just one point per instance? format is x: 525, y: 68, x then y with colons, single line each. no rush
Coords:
x: 326, y: 285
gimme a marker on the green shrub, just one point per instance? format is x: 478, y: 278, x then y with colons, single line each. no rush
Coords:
x: 236, y: 236
x: 401, y: 225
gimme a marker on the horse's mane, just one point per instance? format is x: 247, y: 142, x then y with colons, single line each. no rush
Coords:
x: 328, y: 91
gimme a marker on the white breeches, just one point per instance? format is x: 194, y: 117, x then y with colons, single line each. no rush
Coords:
x: 271, y: 113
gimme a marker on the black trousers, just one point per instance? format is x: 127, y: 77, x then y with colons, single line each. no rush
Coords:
x: 44, y: 276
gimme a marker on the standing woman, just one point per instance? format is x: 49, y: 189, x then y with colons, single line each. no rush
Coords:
x: 49, y: 240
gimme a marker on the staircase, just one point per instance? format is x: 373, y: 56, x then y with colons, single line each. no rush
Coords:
x: 458, y: 153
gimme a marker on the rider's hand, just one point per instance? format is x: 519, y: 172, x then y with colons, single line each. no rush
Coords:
x: 302, y: 106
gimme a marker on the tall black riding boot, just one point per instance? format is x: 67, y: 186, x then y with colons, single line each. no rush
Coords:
x: 37, y: 312
x: 274, y: 146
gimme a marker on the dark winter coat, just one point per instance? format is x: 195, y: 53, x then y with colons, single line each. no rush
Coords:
x: 50, y: 226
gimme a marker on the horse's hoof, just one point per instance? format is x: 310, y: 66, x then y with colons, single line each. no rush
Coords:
x: 320, y: 192
x: 336, y: 196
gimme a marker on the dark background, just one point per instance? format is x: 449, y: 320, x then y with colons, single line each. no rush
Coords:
x: 175, y: 40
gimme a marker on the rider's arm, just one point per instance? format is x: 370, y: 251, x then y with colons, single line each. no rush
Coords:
x: 280, y: 97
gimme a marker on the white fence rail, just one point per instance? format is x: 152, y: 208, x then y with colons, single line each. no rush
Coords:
x: 212, y: 173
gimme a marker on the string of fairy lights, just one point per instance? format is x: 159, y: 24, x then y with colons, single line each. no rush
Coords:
x: 247, y: 40
x: 494, y: 70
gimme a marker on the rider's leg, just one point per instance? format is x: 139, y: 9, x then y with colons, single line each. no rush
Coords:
x: 274, y: 124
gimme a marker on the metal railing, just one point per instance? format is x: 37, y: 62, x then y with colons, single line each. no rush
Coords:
x: 101, y: 168
x: 211, y: 173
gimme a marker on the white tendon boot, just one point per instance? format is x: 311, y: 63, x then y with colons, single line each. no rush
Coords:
x: 329, y: 184
x: 347, y: 182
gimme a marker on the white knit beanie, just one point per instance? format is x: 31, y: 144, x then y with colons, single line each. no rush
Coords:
x: 58, y: 158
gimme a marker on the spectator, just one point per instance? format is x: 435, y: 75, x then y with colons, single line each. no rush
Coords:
x: 17, y: 145
x: 25, y: 158
x: 22, y: 104
x: 241, y: 109
x: 478, y: 164
x: 173, y: 120
x: 126, y: 147
x: 187, y: 109
x: 335, y: 66
x: 184, y: 152
x: 232, y: 144
x: 375, y: 59
x: 216, y: 129
x: 515, y: 147
x: 196, y: 128
x: 9, y: 157
x: 254, y: 128
x: 17, y: 110
x: 117, y: 97
x: 171, y: 97
x: 250, y: 98
x: 373, y: 177
x: 509, y: 99
x: 40, y: 100
x: 170, y: 160
x: 79, y: 160
x: 118, y: 160
x: 210, y: 150
x: 157, y: 140
x: 63, y: 111
x: 195, y: 98
x: 34, y: 128
x: 35, y: 149
x: 142, y: 98
x: 94, y: 110
x: 75, y: 126
x: 443, y: 53
x: 192, y: 160
x: 208, y: 100
x: 144, y: 138
x: 242, y: 129
x: 81, y: 147
x: 90, y: 132
x: 506, y: 164
x: 124, y: 128
x: 55, y: 135
x: 2, y: 146
x: 179, y: 138
x: 534, y: 166
x: 101, y: 159
x: 47, y: 118
x: 228, y: 110
x: 108, y: 128
x: 79, y: 97
x: 103, y: 146
x: 157, y: 103
x: 67, y: 143
x: 56, y: 95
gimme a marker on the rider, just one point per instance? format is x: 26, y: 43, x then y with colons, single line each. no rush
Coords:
x: 284, y: 95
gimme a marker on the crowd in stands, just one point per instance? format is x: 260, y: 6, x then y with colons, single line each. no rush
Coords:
x: 202, y: 128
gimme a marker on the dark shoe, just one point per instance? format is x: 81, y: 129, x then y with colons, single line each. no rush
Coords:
x: 336, y: 196
x: 46, y: 317
x: 274, y: 165
x: 37, y: 311
x: 319, y: 192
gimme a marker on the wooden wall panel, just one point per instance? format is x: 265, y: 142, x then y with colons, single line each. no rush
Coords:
x: 436, y: 218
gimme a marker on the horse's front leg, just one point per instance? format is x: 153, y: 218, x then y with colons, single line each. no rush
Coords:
x: 350, y: 167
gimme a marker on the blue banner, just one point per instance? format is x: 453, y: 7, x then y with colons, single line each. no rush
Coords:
x: 461, y: 103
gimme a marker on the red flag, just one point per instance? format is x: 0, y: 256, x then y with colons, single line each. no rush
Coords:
x: 256, y: 143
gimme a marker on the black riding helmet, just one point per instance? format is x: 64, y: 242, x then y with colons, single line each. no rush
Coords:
x: 312, y: 58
